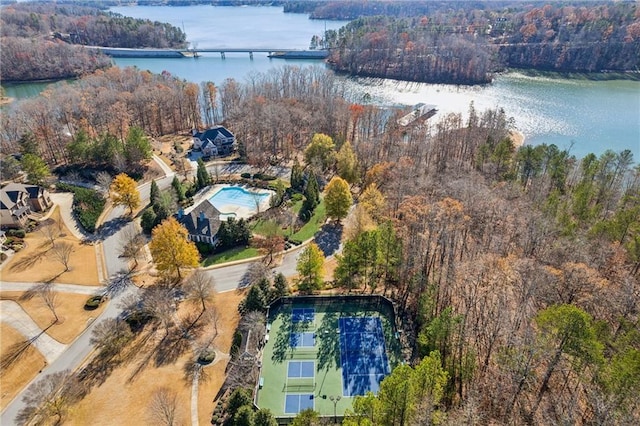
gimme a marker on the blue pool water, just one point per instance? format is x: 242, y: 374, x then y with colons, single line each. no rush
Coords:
x: 237, y: 196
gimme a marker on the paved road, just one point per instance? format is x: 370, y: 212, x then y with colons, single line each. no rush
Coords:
x: 62, y: 288
x: 226, y: 278
x: 78, y: 351
x: 229, y: 278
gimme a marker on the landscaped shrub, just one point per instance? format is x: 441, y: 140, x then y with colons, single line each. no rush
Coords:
x: 245, y: 175
x: 207, y: 356
x: 205, y: 249
x: 305, y: 214
x: 92, y: 303
x: 297, y: 197
x: 87, y: 205
x: 263, y: 176
x: 18, y: 233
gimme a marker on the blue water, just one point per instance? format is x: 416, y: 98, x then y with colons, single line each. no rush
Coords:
x: 581, y: 115
x: 234, y: 195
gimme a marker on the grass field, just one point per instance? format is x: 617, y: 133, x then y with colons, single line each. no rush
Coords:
x: 236, y: 253
x: 319, y: 362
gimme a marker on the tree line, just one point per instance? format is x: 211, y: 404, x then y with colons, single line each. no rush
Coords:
x: 466, y: 46
x: 87, y: 25
x: 514, y: 266
x: 516, y: 269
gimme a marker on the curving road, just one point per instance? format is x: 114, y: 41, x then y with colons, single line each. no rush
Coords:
x: 226, y: 279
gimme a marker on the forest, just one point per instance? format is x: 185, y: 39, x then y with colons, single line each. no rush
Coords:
x: 467, y: 46
x: 42, y: 41
x: 516, y: 270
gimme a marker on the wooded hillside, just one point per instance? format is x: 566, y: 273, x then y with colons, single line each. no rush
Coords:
x: 466, y: 46
x: 516, y: 271
x: 40, y: 41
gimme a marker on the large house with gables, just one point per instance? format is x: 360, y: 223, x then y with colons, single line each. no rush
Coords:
x: 214, y: 141
x: 19, y: 201
x: 202, y: 223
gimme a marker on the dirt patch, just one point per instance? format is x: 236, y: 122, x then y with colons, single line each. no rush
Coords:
x: 37, y: 263
x: 16, y: 377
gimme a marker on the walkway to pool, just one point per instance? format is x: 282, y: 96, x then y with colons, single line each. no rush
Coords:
x: 229, y: 208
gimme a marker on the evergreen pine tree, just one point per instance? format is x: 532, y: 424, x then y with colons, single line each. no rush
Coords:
x: 154, y: 192
x: 202, y: 175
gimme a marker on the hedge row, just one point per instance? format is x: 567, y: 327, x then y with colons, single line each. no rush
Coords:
x: 87, y: 204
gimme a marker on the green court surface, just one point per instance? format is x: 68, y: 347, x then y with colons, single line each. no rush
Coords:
x: 302, y: 365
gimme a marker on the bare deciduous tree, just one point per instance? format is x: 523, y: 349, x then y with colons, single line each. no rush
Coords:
x: 132, y: 244
x: 62, y: 253
x: 199, y: 289
x: 163, y: 407
x: 50, y: 232
x: 103, y: 179
x: 49, y: 296
x: 111, y: 336
x: 48, y: 399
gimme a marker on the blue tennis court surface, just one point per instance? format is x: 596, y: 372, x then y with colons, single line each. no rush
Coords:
x: 301, y: 369
x: 303, y: 314
x: 294, y: 403
x: 362, y: 354
x: 302, y: 340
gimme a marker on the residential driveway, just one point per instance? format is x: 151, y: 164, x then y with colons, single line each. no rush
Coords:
x: 65, y: 201
x: 13, y: 315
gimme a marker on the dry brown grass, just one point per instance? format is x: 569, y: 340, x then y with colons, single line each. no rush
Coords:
x: 73, y: 319
x: 35, y: 262
x: 227, y: 306
x: 119, y: 401
x: 13, y: 379
x: 126, y: 400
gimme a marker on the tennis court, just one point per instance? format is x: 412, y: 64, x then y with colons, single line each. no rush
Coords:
x: 312, y: 341
x: 362, y: 355
x: 301, y: 369
x: 302, y: 340
x: 303, y: 315
x: 294, y: 403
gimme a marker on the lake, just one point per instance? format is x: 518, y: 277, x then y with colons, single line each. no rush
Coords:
x: 580, y: 114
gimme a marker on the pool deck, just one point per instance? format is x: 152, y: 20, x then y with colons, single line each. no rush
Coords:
x: 231, y: 210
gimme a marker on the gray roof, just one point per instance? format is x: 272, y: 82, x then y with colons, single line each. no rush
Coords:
x: 212, y: 133
x: 203, y: 220
x: 9, y: 194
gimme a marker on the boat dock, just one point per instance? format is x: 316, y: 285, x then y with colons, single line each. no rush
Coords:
x: 420, y: 111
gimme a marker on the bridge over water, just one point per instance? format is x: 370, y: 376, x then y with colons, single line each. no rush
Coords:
x: 272, y: 52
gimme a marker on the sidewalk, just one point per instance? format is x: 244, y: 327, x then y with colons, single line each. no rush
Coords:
x: 16, y: 317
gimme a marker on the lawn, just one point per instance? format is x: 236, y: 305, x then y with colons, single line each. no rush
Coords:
x: 236, y: 253
x: 36, y: 263
x: 266, y: 227
x: 310, y: 228
x: 126, y: 397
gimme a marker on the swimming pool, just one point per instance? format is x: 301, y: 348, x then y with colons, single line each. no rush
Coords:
x: 234, y: 196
